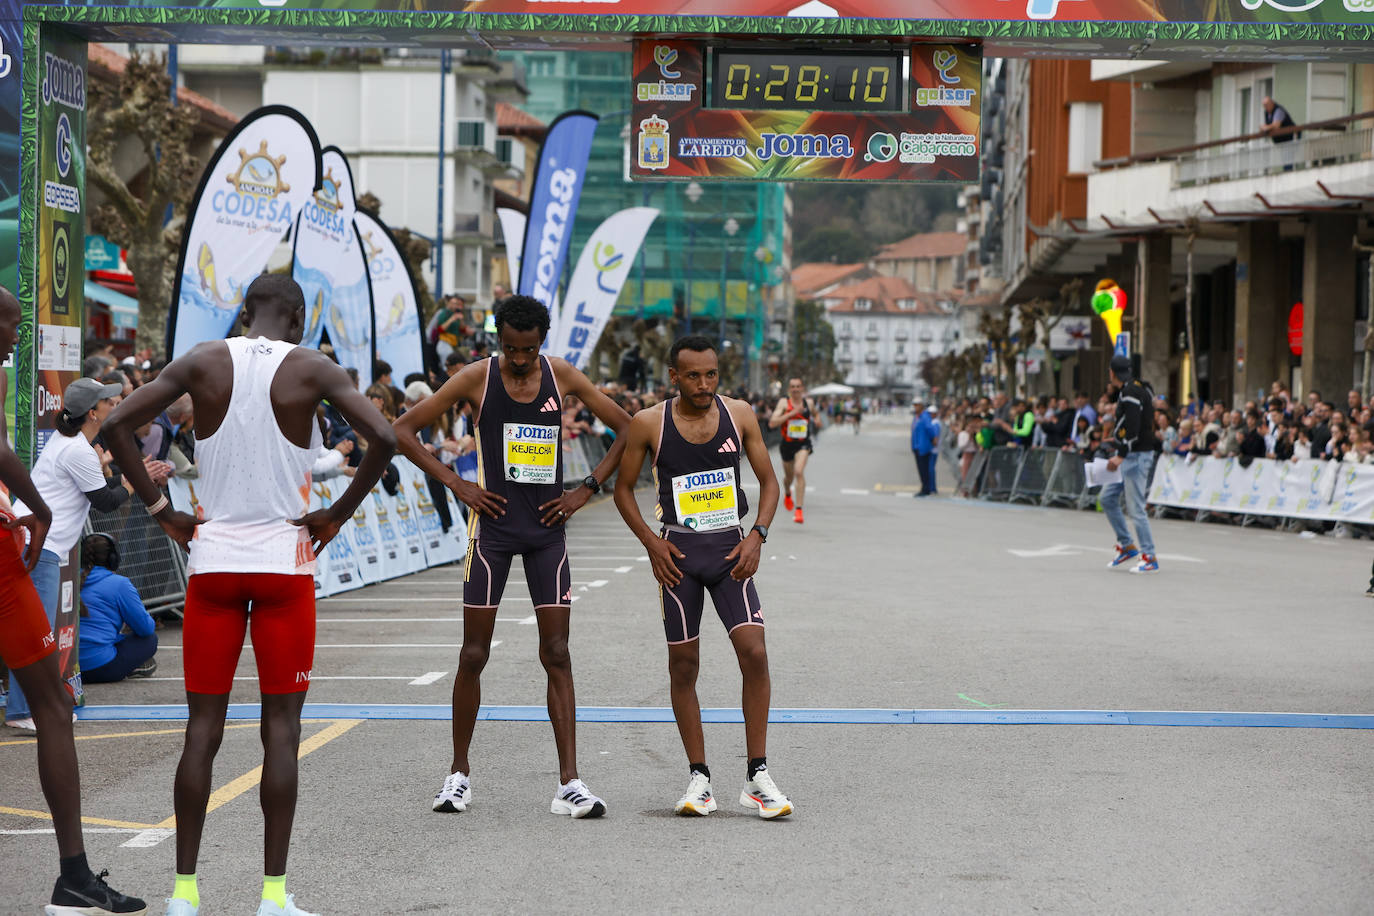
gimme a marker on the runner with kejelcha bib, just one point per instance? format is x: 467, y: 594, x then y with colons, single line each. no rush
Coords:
x: 519, y: 509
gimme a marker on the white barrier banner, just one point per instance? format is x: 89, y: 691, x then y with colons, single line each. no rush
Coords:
x: 596, y: 283
x: 1304, y: 488
x: 336, y: 569
x: 249, y: 197
x: 440, y: 546
x: 327, y: 260
x: 392, y: 555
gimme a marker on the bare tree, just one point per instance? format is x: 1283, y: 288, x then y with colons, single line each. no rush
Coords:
x: 138, y: 108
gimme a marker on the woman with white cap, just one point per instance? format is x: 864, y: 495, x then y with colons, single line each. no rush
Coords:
x: 70, y: 476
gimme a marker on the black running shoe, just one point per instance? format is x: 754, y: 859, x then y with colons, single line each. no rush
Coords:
x: 146, y: 669
x: 92, y: 897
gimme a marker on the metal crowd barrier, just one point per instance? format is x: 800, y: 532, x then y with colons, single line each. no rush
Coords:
x: 1041, y: 476
x: 151, y: 560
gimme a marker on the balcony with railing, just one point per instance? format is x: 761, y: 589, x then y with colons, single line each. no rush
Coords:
x: 1321, y: 164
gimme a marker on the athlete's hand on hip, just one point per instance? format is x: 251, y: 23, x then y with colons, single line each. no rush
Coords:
x: 321, y: 526
x: 747, y: 553
x: 661, y: 554
x: 558, y: 511
x: 478, y: 499
x: 179, y: 526
x: 38, y: 533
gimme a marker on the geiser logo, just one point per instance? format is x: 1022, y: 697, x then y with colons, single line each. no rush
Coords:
x: 664, y: 90
x: 804, y: 146
x: 605, y: 258
x: 665, y: 56
x: 257, y: 183
x: 557, y: 219
x: 944, y: 62
x: 324, y: 209
x: 653, y: 143
x: 62, y: 143
x: 63, y: 82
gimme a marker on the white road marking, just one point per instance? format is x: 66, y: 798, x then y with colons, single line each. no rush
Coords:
x: 145, y: 839
x: 597, y: 583
x: 850, y: 492
x: 426, y: 679
x: 623, y: 569
x: 530, y: 620
x: 1069, y: 550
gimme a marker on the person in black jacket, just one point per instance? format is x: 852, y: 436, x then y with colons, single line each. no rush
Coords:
x: 1134, y: 443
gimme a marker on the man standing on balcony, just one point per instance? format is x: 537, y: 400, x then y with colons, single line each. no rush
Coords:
x: 1276, y: 117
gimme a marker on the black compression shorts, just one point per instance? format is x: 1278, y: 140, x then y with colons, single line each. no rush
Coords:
x: 705, y: 569
x: 546, y: 573
x: 788, y: 450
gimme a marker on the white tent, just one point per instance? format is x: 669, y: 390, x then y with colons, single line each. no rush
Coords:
x: 830, y: 389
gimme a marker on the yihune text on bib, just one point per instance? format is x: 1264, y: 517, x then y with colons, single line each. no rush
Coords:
x: 796, y: 428
x: 531, y: 452
x: 706, y: 500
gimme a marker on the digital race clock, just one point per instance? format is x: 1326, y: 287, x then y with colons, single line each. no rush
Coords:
x: 787, y: 80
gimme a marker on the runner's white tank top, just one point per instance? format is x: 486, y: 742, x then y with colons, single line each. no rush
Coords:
x: 252, y: 478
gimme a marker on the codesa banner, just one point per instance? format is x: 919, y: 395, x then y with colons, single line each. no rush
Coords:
x: 328, y: 261
x: 249, y: 195
x: 795, y: 116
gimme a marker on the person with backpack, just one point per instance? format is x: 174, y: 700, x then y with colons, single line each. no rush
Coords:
x: 1134, y: 443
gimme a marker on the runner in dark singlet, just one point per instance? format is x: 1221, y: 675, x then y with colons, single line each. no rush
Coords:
x: 796, y: 415
x: 697, y: 439
x: 519, y: 507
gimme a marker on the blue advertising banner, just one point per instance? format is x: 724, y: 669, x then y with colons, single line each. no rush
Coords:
x: 328, y: 261
x: 557, y: 186
x: 257, y: 182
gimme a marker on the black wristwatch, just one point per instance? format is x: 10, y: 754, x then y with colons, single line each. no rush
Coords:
x: 763, y: 532
x: 591, y: 483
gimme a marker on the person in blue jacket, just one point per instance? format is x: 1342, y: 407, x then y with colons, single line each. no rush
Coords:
x: 925, y: 439
x: 111, y: 602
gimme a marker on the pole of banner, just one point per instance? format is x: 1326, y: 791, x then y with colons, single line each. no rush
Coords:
x: 439, y: 220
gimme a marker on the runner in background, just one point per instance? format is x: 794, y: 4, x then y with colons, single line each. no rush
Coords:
x: 795, y: 414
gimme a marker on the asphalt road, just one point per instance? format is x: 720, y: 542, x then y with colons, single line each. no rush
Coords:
x: 880, y: 601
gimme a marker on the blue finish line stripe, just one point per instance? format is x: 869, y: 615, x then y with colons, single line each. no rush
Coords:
x: 777, y: 716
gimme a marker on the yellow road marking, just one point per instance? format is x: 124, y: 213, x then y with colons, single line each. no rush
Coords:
x: 93, y: 821
x: 233, y: 789
x: 161, y: 731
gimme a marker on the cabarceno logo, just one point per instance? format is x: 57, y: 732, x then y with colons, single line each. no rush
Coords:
x: 882, y: 147
x: 61, y: 261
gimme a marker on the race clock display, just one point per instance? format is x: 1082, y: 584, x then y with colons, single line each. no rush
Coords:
x: 778, y: 80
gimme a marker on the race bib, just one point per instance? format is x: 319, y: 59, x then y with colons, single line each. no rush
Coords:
x: 797, y: 428
x: 706, y: 500
x: 531, y: 453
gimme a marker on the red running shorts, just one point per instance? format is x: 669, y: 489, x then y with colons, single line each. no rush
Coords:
x: 220, y: 607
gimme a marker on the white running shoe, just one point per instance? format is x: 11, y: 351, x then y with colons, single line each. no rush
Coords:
x: 268, y: 908
x: 178, y: 906
x: 455, y: 794
x: 576, y: 800
x: 26, y: 724
x: 761, y: 793
x: 698, y: 800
